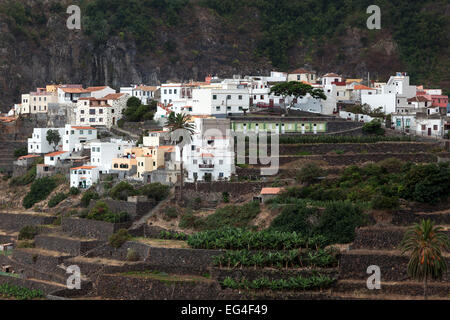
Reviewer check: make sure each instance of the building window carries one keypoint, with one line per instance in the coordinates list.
(91, 119)
(82, 120)
(194, 162)
(101, 111)
(90, 132)
(81, 131)
(214, 97)
(435, 127)
(229, 97)
(240, 97)
(220, 162)
(217, 108)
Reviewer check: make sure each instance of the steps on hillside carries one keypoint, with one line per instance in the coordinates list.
(402, 288)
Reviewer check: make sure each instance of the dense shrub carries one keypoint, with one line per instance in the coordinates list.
(20, 152)
(88, 196)
(101, 212)
(170, 213)
(228, 216)
(309, 173)
(381, 202)
(56, 199)
(295, 218)
(155, 191)
(339, 221)
(373, 127)
(119, 238)
(74, 191)
(132, 255)
(28, 233)
(122, 191)
(40, 189)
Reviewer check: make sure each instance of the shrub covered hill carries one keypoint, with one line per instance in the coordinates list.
(146, 41)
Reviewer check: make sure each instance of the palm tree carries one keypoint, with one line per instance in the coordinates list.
(424, 242)
(176, 122)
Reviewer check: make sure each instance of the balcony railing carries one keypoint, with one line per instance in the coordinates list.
(206, 166)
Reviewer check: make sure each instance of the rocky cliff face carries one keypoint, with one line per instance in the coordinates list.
(36, 48)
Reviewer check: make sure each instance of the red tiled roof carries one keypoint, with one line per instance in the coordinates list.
(331, 75)
(83, 128)
(301, 70)
(28, 156)
(57, 153)
(75, 90)
(113, 96)
(362, 87)
(271, 190)
(83, 167)
(90, 89)
(418, 99)
(207, 155)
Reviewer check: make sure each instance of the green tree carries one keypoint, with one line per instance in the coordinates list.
(424, 243)
(176, 123)
(53, 138)
(297, 90)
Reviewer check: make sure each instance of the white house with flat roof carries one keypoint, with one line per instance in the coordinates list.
(84, 177)
(38, 142)
(102, 153)
(210, 155)
(75, 136)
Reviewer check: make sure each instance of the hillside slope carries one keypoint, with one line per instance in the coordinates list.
(150, 41)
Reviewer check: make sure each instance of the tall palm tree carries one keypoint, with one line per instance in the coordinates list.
(176, 122)
(424, 242)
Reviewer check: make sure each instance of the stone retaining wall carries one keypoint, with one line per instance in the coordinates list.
(134, 209)
(386, 238)
(379, 147)
(353, 265)
(15, 222)
(72, 247)
(141, 288)
(91, 228)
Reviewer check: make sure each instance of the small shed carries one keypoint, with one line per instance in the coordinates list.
(6, 247)
(268, 193)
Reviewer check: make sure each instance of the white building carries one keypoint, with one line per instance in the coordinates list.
(102, 153)
(38, 142)
(72, 93)
(75, 136)
(144, 93)
(330, 78)
(37, 102)
(393, 94)
(51, 159)
(302, 75)
(104, 111)
(210, 154)
(84, 177)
